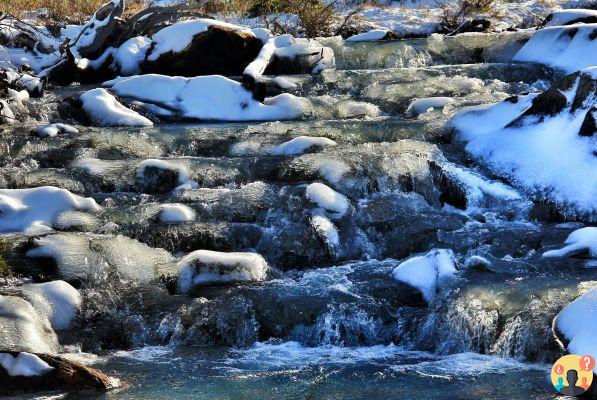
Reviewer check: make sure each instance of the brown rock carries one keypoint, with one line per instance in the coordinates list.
(66, 374)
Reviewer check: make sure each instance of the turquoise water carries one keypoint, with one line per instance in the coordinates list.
(291, 371)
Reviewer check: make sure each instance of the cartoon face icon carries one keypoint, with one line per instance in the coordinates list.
(572, 375)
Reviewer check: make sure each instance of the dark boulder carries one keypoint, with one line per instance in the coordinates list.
(216, 51)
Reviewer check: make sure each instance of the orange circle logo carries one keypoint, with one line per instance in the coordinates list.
(572, 375)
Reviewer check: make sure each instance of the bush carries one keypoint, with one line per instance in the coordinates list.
(455, 12)
(5, 269)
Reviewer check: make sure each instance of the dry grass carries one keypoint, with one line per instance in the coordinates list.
(57, 10)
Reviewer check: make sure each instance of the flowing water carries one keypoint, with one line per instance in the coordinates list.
(330, 322)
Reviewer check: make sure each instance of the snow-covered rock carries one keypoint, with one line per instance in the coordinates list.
(327, 198)
(288, 55)
(57, 300)
(93, 35)
(427, 272)
(581, 242)
(52, 130)
(576, 325)
(569, 48)
(104, 110)
(543, 143)
(130, 54)
(301, 144)
(38, 208)
(372, 35)
(570, 17)
(205, 267)
(24, 364)
(421, 106)
(328, 233)
(205, 98)
(159, 176)
(177, 213)
(22, 328)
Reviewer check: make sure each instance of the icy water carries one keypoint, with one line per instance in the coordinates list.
(330, 322)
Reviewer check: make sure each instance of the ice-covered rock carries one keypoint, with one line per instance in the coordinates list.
(581, 242)
(570, 48)
(327, 198)
(420, 106)
(104, 110)
(205, 98)
(24, 364)
(38, 208)
(177, 213)
(87, 257)
(543, 143)
(57, 300)
(301, 144)
(427, 272)
(22, 328)
(205, 267)
(52, 130)
(576, 325)
(570, 17)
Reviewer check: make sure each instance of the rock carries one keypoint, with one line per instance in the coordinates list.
(58, 374)
(158, 178)
(96, 33)
(472, 25)
(217, 51)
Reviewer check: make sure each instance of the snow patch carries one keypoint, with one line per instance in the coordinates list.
(427, 272)
(24, 364)
(327, 198)
(422, 106)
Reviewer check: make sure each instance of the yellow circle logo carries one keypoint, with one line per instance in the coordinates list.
(572, 375)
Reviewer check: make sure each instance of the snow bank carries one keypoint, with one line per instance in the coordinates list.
(33, 209)
(327, 198)
(578, 323)
(56, 300)
(300, 144)
(422, 106)
(542, 153)
(104, 110)
(579, 242)
(570, 48)
(52, 130)
(177, 213)
(204, 267)
(206, 98)
(24, 364)
(374, 34)
(178, 36)
(427, 272)
(570, 16)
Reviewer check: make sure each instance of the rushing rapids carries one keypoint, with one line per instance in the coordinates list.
(279, 247)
